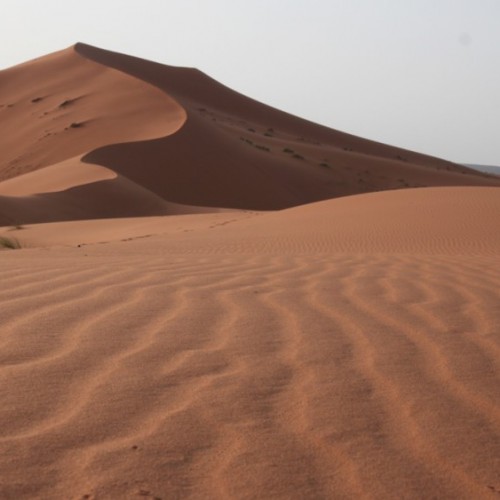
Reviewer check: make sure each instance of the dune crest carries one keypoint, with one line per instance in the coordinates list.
(57, 177)
(183, 137)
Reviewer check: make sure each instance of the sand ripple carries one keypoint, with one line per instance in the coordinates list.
(338, 376)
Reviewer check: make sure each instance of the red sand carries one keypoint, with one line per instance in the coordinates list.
(172, 135)
(346, 348)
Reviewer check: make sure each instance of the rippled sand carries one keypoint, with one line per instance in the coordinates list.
(186, 363)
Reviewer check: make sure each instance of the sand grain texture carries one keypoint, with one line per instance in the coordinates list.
(351, 352)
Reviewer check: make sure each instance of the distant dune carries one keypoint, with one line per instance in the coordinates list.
(136, 137)
(168, 333)
(490, 169)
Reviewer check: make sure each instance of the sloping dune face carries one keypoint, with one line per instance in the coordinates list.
(236, 152)
(430, 221)
(56, 109)
(60, 106)
(344, 349)
(180, 136)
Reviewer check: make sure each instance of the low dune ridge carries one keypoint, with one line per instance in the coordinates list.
(427, 221)
(176, 136)
(343, 349)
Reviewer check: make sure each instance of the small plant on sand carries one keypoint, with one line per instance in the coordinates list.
(287, 150)
(325, 165)
(10, 243)
(298, 157)
(264, 148)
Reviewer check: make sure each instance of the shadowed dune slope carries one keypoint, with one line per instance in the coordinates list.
(181, 136)
(249, 155)
(71, 190)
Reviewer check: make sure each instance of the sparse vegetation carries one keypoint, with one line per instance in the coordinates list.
(267, 134)
(297, 156)
(37, 99)
(287, 150)
(76, 125)
(263, 148)
(251, 129)
(325, 165)
(10, 243)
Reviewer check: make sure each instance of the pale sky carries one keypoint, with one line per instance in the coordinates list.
(419, 74)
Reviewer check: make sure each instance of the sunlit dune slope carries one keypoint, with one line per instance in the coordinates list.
(179, 135)
(443, 220)
(63, 105)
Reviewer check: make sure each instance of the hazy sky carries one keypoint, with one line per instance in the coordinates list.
(420, 74)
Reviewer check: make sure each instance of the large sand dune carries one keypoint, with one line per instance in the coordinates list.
(344, 349)
(168, 333)
(129, 129)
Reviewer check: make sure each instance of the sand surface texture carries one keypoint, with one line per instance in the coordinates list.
(168, 333)
(351, 351)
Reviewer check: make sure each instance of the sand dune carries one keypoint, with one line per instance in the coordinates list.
(168, 333)
(351, 351)
(428, 221)
(62, 105)
(174, 135)
(55, 178)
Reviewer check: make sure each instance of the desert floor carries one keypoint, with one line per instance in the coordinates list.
(343, 349)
